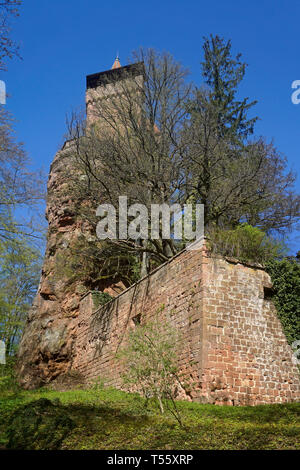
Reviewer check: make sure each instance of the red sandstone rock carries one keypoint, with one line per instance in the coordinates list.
(46, 348)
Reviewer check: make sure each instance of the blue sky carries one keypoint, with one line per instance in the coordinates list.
(62, 41)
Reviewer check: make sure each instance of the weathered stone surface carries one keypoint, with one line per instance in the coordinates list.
(46, 349)
(46, 346)
(234, 351)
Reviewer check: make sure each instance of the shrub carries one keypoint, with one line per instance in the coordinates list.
(101, 298)
(150, 361)
(246, 243)
(8, 381)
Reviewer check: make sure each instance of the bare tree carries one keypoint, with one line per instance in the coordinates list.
(152, 138)
(8, 48)
(133, 145)
(20, 188)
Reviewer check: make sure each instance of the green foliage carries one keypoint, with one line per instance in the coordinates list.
(285, 275)
(150, 360)
(237, 179)
(246, 243)
(19, 276)
(70, 380)
(20, 191)
(98, 383)
(223, 73)
(19, 188)
(100, 298)
(109, 419)
(7, 376)
(39, 425)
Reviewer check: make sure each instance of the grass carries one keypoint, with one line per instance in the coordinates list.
(112, 419)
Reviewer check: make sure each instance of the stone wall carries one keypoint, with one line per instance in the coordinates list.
(174, 290)
(234, 350)
(246, 358)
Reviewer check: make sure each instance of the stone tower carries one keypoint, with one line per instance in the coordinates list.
(109, 84)
(46, 348)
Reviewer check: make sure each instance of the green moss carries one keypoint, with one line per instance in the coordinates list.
(81, 289)
(100, 298)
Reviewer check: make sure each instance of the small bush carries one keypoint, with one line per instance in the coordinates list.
(246, 243)
(150, 361)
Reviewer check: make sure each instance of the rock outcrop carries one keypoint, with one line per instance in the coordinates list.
(47, 343)
(46, 346)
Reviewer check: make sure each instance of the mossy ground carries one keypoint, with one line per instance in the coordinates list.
(111, 419)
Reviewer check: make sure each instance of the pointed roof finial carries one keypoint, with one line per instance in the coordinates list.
(116, 64)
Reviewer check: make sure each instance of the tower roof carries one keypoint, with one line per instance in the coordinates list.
(114, 74)
(116, 64)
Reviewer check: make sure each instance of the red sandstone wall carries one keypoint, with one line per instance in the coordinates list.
(246, 358)
(234, 351)
(177, 286)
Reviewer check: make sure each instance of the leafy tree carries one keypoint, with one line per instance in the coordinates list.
(133, 148)
(20, 188)
(237, 180)
(19, 277)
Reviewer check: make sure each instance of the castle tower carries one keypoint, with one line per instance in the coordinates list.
(110, 84)
(46, 348)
